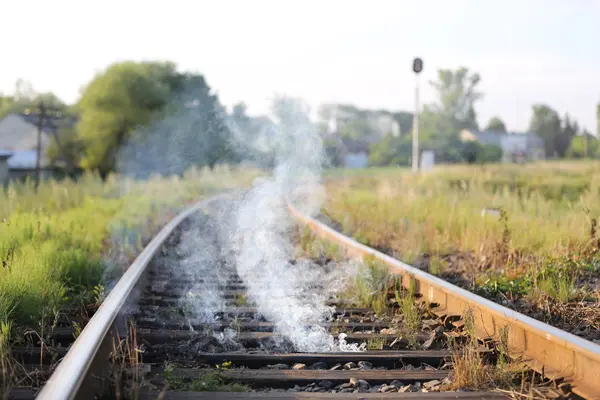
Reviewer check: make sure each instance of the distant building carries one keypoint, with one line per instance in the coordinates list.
(515, 146)
(356, 160)
(18, 140)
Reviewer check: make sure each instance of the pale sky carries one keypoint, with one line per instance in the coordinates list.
(356, 52)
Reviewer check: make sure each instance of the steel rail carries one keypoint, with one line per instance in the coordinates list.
(66, 380)
(548, 350)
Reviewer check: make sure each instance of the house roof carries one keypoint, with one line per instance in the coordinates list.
(4, 154)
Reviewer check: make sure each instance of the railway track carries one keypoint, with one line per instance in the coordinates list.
(173, 330)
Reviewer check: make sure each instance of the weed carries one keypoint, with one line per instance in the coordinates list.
(411, 315)
(240, 300)
(369, 287)
(212, 381)
(436, 265)
(470, 368)
(5, 358)
(375, 343)
(503, 247)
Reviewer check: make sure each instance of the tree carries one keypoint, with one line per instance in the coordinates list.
(562, 140)
(121, 99)
(546, 123)
(69, 152)
(495, 124)
(584, 145)
(190, 129)
(391, 151)
(457, 91)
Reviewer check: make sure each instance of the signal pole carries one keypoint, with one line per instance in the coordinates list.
(417, 68)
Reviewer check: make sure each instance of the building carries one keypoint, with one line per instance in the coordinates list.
(18, 140)
(515, 146)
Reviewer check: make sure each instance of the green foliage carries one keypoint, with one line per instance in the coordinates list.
(557, 134)
(369, 287)
(59, 243)
(585, 145)
(117, 101)
(491, 286)
(209, 382)
(457, 91)
(496, 125)
(154, 110)
(474, 152)
(557, 279)
(66, 149)
(448, 148)
(391, 151)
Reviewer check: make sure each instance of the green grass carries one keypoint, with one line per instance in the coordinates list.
(59, 243)
(547, 218)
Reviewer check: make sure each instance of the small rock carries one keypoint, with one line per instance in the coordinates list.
(362, 384)
(397, 383)
(375, 389)
(446, 381)
(299, 366)
(388, 331)
(405, 389)
(350, 365)
(346, 385)
(353, 381)
(365, 365)
(278, 366)
(431, 384)
(297, 388)
(319, 365)
(429, 342)
(335, 367)
(387, 388)
(347, 390)
(326, 385)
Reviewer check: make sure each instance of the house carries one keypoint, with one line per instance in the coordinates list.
(18, 140)
(515, 146)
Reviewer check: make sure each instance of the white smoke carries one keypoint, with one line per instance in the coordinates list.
(292, 295)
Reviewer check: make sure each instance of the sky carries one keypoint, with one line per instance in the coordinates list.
(359, 52)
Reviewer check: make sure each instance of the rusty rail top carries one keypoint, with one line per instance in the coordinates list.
(66, 380)
(546, 349)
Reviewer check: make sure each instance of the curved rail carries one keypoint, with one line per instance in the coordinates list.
(66, 380)
(548, 350)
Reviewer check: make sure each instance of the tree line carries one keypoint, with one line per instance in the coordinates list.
(441, 122)
(149, 117)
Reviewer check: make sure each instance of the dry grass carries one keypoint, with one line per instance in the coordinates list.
(471, 369)
(506, 232)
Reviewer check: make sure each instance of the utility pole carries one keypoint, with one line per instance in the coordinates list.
(417, 68)
(38, 155)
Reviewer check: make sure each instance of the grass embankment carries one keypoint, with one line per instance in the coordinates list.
(60, 245)
(526, 236)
